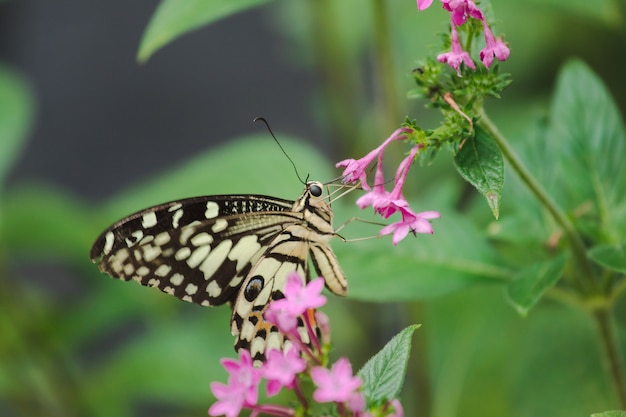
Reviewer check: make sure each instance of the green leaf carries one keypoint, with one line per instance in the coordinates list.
(587, 142)
(610, 256)
(614, 413)
(479, 161)
(17, 108)
(383, 374)
(174, 18)
(532, 283)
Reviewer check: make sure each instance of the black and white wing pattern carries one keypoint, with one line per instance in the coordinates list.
(234, 249)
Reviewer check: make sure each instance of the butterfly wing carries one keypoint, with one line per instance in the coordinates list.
(199, 249)
(288, 252)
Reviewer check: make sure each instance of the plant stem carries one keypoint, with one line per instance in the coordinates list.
(601, 313)
(610, 345)
(575, 240)
(387, 93)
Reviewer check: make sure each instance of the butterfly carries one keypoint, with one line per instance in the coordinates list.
(226, 249)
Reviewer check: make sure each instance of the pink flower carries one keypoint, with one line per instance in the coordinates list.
(457, 56)
(495, 47)
(461, 10)
(355, 170)
(323, 322)
(411, 222)
(242, 388)
(280, 316)
(379, 193)
(398, 411)
(229, 402)
(336, 384)
(395, 201)
(281, 369)
(423, 4)
(298, 299)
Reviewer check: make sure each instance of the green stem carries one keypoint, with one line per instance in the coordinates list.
(387, 93)
(339, 92)
(601, 313)
(610, 345)
(575, 240)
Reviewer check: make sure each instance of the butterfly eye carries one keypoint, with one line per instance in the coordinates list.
(253, 288)
(315, 190)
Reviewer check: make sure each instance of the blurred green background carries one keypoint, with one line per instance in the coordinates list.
(88, 135)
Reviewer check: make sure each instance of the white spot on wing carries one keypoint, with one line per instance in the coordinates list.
(191, 289)
(149, 220)
(177, 279)
(143, 271)
(187, 231)
(215, 259)
(202, 239)
(162, 270)
(162, 238)
(176, 218)
(219, 225)
(183, 253)
(151, 252)
(117, 261)
(129, 269)
(174, 207)
(137, 234)
(108, 243)
(213, 289)
(247, 330)
(198, 256)
(212, 210)
(244, 250)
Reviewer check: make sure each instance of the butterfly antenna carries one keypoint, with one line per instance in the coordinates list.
(262, 119)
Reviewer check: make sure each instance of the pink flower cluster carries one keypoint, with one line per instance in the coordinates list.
(460, 12)
(284, 369)
(384, 202)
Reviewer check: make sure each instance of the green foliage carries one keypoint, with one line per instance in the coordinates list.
(383, 375)
(477, 356)
(586, 143)
(174, 18)
(479, 161)
(612, 257)
(532, 282)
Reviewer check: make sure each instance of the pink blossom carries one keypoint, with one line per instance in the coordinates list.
(323, 323)
(457, 56)
(281, 369)
(461, 10)
(336, 384)
(379, 193)
(298, 299)
(355, 170)
(279, 315)
(395, 201)
(495, 47)
(356, 403)
(423, 4)
(241, 390)
(411, 222)
(398, 411)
